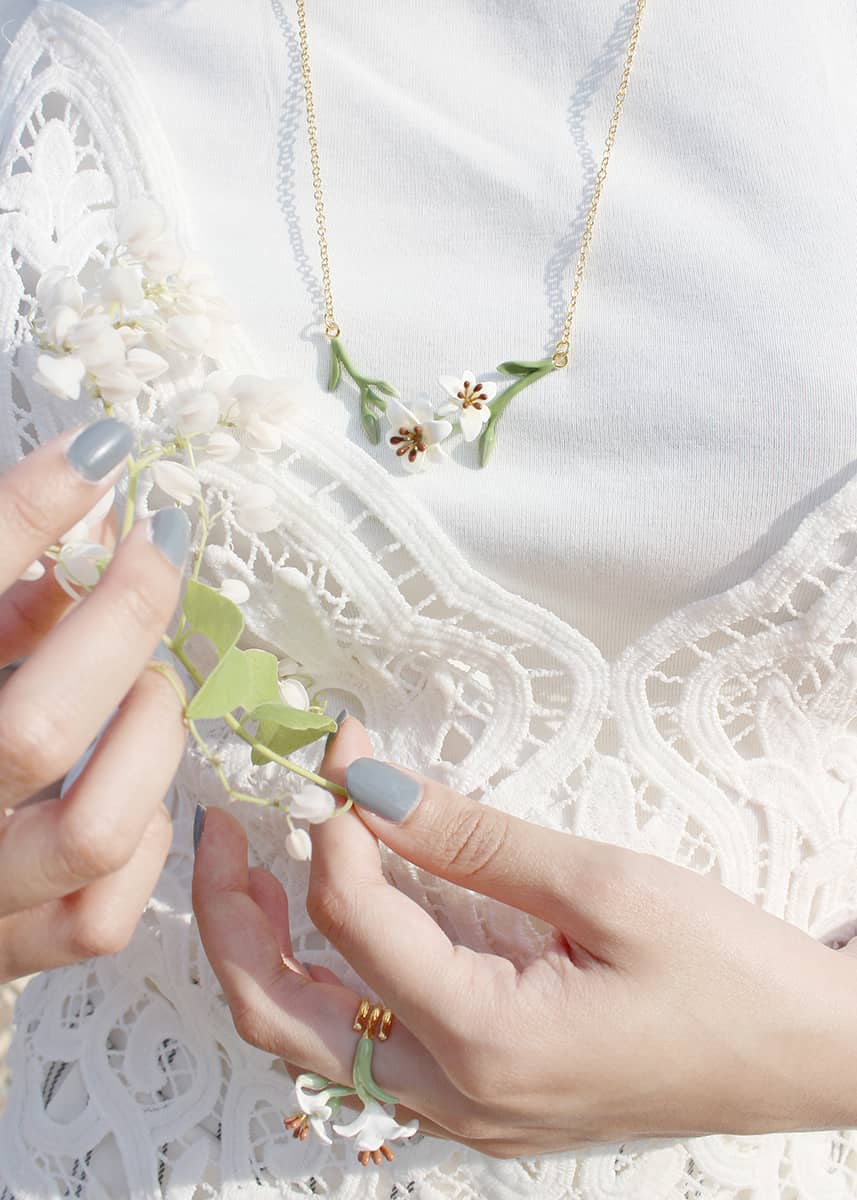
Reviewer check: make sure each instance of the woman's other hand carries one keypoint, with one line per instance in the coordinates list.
(664, 1005)
(77, 867)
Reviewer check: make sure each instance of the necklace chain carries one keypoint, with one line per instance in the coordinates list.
(561, 353)
(560, 356)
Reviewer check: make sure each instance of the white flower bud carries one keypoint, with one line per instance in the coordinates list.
(118, 386)
(145, 364)
(58, 321)
(221, 446)
(299, 846)
(235, 590)
(198, 413)
(97, 344)
(177, 481)
(122, 286)
(140, 223)
(294, 694)
(77, 566)
(34, 571)
(61, 376)
(312, 803)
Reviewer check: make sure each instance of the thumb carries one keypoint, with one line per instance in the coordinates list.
(558, 877)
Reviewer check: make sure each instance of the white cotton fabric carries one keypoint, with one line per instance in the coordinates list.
(623, 626)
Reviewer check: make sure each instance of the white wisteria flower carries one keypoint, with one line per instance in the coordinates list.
(299, 846)
(415, 434)
(235, 590)
(374, 1127)
(139, 224)
(262, 409)
(469, 400)
(62, 377)
(313, 804)
(198, 413)
(221, 446)
(78, 566)
(253, 510)
(177, 481)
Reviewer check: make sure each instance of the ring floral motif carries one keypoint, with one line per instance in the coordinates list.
(319, 1098)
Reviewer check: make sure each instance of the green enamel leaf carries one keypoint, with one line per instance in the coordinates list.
(370, 398)
(487, 442)
(210, 613)
(519, 367)
(370, 424)
(386, 388)
(242, 679)
(335, 371)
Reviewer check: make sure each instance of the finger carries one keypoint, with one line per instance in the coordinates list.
(30, 608)
(54, 487)
(99, 919)
(60, 697)
(265, 890)
(555, 876)
(306, 1022)
(386, 937)
(57, 846)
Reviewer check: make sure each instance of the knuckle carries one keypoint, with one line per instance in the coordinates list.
(90, 844)
(29, 514)
(629, 890)
(328, 907)
(249, 1024)
(475, 838)
(139, 602)
(473, 1127)
(97, 933)
(33, 744)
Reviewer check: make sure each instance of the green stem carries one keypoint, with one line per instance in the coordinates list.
(369, 401)
(364, 1082)
(235, 725)
(499, 406)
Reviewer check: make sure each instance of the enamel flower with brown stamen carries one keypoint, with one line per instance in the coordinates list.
(469, 400)
(415, 434)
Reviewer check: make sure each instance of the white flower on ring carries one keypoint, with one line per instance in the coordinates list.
(415, 434)
(469, 400)
(177, 481)
(315, 1113)
(253, 510)
(374, 1127)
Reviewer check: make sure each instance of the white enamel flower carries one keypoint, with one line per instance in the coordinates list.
(469, 401)
(312, 803)
(315, 1113)
(415, 434)
(299, 846)
(177, 481)
(253, 510)
(77, 566)
(60, 376)
(374, 1127)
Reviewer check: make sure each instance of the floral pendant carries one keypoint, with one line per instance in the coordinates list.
(414, 434)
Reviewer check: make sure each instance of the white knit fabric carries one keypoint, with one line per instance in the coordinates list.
(474, 619)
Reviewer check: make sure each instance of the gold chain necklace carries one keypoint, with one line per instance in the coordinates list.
(415, 436)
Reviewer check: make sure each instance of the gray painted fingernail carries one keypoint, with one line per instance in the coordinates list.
(170, 532)
(99, 448)
(382, 789)
(339, 719)
(198, 822)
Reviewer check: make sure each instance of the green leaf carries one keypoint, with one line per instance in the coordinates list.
(210, 613)
(284, 729)
(370, 398)
(371, 424)
(335, 371)
(487, 442)
(242, 679)
(386, 388)
(519, 367)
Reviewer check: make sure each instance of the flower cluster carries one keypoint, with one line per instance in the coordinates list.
(142, 319)
(415, 433)
(319, 1100)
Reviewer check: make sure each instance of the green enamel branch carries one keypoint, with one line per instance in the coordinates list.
(529, 373)
(368, 388)
(364, 1084)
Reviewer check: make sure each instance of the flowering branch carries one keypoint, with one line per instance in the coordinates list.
(369, 400)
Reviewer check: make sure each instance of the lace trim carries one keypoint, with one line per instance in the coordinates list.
(723, 740)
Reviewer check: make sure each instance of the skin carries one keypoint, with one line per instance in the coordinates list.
(76, 871)
(739, 1022)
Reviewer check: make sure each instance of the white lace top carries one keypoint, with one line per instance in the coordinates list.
(551, 634)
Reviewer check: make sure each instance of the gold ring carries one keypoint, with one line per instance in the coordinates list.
(372, 1020)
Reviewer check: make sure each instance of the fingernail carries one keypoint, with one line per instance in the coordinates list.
(99, 448)
(382, 789)
(198, 822)
(170, 531)
(335, 731)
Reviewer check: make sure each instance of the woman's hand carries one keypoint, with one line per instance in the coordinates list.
(665, 1005)
(76, 869)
